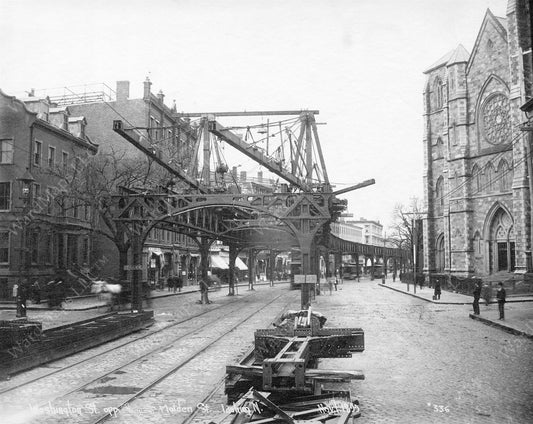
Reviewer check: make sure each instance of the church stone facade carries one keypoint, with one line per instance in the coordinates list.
(477, 193)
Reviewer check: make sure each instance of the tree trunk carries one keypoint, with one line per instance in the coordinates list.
(122, 261)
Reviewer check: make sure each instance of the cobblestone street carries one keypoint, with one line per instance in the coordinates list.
(423, 362)
(430, 363)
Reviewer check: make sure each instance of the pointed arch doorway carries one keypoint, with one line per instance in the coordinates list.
(501, 242)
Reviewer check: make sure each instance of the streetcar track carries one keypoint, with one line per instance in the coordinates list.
(221, 382)
(150, 333)
(140, 359)
(153, 352)
(182, 363)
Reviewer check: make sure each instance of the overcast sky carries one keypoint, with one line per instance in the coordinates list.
(359, 62)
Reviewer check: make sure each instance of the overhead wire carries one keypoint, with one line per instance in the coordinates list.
(497, 158)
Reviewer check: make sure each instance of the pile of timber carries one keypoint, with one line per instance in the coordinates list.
(280, 381)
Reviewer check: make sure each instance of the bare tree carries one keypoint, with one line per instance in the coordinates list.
(90, 182)
(406, 229)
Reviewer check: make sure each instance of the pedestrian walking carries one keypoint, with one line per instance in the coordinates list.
(330, 284)
(501, 295)
(178, 283)
(437, 291)
(477, 296)
(15, 291)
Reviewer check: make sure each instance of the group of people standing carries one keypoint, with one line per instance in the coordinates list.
(175, 283)
(478, 292)
(54, 291)
(501, 296)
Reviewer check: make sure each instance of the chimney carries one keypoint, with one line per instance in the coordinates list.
(147, 85)
(123, 90)
(234, 172)
(243, 176)
(161, 96)
(260, 176)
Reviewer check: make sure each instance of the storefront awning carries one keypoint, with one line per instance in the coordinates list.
(218, 262)
(240, 264)
(155, 251)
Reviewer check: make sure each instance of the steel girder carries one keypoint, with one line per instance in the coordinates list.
(344, 246)
(226, 216)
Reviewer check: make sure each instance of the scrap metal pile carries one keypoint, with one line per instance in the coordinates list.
(280, 381)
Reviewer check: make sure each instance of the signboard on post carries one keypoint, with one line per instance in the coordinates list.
(133, 267)
(308, 283)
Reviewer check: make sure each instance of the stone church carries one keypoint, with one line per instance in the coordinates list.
(476, 181)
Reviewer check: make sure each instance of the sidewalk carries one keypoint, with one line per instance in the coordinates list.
(83, 303)
(518, 310)
(87, 307)
(446, 297)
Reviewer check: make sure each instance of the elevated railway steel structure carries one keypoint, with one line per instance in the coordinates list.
(298, 217)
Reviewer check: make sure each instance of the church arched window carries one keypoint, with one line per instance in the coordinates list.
(477, 244)
(483, 180)
(490, 178)
(505, 175)
(439, 197)
(476, 180)
(438, 93)
(440, 148)
(440, 254)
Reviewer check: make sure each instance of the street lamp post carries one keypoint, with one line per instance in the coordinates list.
(26, 196)
(414, 242)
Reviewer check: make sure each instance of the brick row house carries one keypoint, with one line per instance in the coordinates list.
(476, 180)
(43, 232)
(165, 253)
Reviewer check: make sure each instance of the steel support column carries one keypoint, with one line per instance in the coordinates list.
(306, 242)
(251, 268)
(136, 283)
(232, 258)
(272, 263)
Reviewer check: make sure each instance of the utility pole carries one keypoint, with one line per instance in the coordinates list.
(414, 242)
(384, 271)
(414, 236)
(27, 186)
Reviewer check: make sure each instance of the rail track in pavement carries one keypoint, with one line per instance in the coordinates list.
(175, 346)
(134, 338)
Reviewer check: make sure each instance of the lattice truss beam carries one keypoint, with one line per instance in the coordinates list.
(246, 218)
